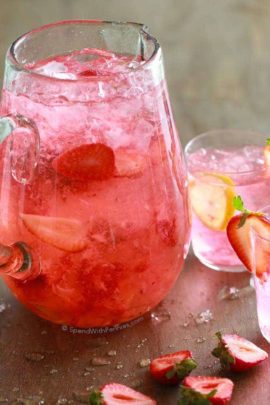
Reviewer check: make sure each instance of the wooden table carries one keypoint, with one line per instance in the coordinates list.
(42, 361)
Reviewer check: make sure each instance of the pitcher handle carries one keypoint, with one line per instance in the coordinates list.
(23, 149)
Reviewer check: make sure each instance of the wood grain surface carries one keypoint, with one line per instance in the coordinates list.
(217, 61)
(49, 362)
(71, 352)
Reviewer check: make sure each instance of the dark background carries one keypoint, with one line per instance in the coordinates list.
(216, 52)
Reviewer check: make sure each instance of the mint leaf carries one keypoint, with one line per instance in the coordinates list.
(238, 203)
(268, 141)
(96, 398)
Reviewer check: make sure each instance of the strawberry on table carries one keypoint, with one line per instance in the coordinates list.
(239, 234)
(63, 233)
(172, 368)
(206, 390)
(237, 353)
(93, 161)
(114, 394)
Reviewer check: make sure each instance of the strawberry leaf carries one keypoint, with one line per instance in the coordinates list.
(192, 397)
(182, 369)
(96, 398)
(222, 353)
(185, 367)
(238, 203)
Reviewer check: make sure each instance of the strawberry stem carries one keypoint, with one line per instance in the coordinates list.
(192, 397)
(182, 369)
(222, 353)
(96, 398)
(238, 204)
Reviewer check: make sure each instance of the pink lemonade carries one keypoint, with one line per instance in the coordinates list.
(216, 175)
(105, 214)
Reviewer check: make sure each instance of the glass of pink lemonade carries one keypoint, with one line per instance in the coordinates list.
(260, 245)
(249, 235)
(222, 164)
(94, 219)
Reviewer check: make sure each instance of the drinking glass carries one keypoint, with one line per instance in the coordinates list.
(94, 218)
(222, 164)
(261, 248)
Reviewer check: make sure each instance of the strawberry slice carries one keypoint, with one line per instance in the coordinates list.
(237, 353)
(114, 394)
(206, 390)
(63, 233)
(172, 368)
(129, 163)
(256, 257)
(94, 161)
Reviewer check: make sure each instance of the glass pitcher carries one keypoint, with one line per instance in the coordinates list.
(94, 220)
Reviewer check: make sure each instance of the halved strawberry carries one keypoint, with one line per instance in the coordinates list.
(237, 353)
(114, 394)
(172, 368)
(129, 163)
(256, 258)
(63, 233)
(206, 390)
(94, 161)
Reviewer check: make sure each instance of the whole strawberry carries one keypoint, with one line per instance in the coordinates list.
(237, 353)
(172, 368)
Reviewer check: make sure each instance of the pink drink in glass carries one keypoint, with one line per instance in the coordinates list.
(105, 213)
(224, 163)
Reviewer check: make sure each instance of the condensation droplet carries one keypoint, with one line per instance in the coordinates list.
(34, 356)
(100, 361)
(204, 317)
(112, 353)
(119, 366)
(200, 340)
(144, 363)
(160, 315)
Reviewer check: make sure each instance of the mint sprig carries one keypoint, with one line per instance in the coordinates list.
(192, 397)
(239, 205)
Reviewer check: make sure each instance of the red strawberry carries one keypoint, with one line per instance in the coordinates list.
(129, 163)
(94, 161)
(237, 353)
(206, 390)
(64, 233)
(114, 394)
(172, 368)
(240, 238)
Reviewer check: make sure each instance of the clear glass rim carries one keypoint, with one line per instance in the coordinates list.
(21, 67)
(219, 131)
